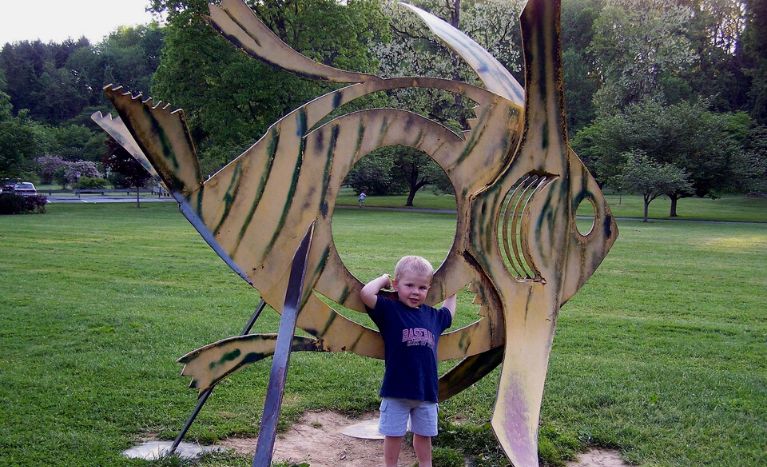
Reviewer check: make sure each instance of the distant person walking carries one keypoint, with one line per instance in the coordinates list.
(361, 199)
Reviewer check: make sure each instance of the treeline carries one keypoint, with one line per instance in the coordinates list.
(48, 92)
(670, 87)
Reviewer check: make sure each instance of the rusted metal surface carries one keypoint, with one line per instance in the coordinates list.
(517, 185)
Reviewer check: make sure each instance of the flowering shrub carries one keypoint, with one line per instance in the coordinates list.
(48, 166)
(11, 203)
(75, 170)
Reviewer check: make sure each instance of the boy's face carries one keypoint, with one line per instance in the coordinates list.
(412, 288)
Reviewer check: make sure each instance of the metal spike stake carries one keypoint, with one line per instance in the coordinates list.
(279, 372)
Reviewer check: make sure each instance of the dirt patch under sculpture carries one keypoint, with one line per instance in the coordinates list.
(317, 439)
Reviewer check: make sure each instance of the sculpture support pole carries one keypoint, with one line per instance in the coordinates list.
(205, 394)
(281, 359)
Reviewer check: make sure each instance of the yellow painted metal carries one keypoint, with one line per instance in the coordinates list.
(517, 185)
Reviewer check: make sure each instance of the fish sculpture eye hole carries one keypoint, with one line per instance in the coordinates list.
(585, 216)
(361, 229)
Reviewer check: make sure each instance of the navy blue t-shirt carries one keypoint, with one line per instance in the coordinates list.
(410, 338)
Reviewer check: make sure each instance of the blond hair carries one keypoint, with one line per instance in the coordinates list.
(414, 264)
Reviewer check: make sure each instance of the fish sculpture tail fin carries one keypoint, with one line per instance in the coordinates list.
(162, 135)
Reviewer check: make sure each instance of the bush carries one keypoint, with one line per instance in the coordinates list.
(11, 203)
(91, 182)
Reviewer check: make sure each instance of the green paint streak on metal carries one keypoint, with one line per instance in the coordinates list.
(337, 98)
(252, 357)
(288, 200)
(464, 341)
(323, 261)
(384, 128)
(328, 166)
(199, 200)
(476, 134)
(231, 193)
(356, 341)
(360, 138)
(227, 357)
(328, 323)
(167, 148)
(344, 295)
(271, 152)
(301, 122)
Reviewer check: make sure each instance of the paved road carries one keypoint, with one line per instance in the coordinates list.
(90, 199)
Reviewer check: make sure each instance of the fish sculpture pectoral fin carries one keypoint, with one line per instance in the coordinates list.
(210, 364)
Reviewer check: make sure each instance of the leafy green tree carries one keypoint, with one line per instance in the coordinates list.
(642, 51)
(125, 170)
(17, 142)
(752, 54)
(652, 179)
(373, 173)
(578, 61)
(229, 98)
(417, 170)
(715, 33)
(688, 135)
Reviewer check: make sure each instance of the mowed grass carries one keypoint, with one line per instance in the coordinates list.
(729, 208)
(662, 355)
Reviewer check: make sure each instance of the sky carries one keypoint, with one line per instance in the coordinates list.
(57, 20)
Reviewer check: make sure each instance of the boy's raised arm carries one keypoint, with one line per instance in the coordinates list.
(369, 293)
(450, 303)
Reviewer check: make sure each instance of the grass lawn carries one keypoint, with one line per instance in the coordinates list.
(661, 355)
(728, 208)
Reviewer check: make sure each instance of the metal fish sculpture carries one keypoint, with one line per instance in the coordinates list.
(517, 183)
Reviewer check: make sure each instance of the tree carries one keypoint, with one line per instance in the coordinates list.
(126, 171)
(715, 33)
(652, 179)
(48, 166)
(17, 142)
(686, 134)
(373, 173)
(414, 51)
(417, 170)
(578, 61)
(752, 54)
(230, 99)
(641, 50)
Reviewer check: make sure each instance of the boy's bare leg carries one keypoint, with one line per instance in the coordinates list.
(422, 447)
(391, 450)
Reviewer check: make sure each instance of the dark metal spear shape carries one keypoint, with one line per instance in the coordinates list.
(279, 373)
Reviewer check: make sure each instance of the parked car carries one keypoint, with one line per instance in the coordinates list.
(25, 189)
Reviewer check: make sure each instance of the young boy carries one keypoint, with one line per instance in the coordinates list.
(411, 330)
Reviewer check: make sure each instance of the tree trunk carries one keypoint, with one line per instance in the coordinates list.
(646, 208)
(674, 199)
(411, 195)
